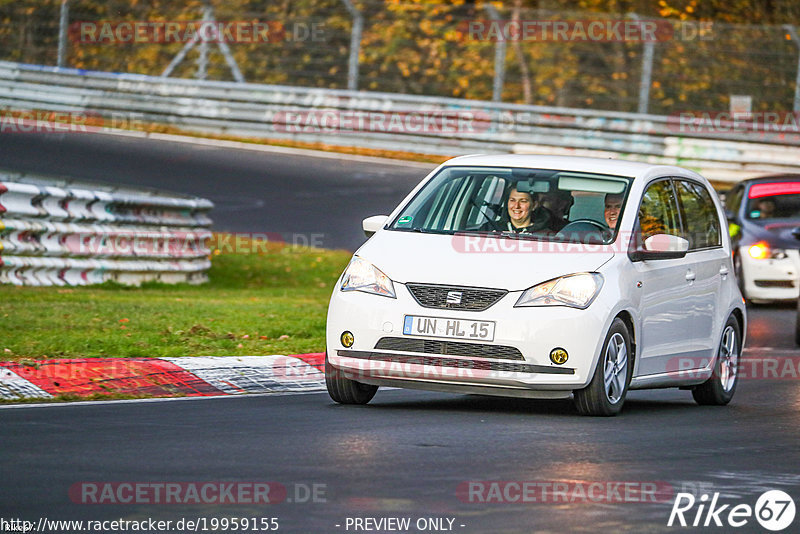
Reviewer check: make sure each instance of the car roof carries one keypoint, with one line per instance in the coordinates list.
(772, 178)
(633, 169)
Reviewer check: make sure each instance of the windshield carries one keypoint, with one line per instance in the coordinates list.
(523, 203)
(780, 200)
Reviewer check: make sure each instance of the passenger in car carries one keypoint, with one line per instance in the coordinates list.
(613, 205)
(559, 203)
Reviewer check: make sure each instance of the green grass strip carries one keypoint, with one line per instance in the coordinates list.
(270, 302)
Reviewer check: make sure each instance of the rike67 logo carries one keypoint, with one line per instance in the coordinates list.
(774, 510)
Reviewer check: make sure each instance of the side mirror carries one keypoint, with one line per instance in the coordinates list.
(661, 247)
(373, 224)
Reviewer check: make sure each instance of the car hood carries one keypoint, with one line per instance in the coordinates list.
(777, 233)
(504, 263)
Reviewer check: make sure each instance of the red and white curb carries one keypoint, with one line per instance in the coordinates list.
(13, 386)
(257, 374)
(157, 377)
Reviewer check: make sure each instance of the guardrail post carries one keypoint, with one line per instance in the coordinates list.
(355, 44)
(793, 33)
(499, 59)
(62, 33)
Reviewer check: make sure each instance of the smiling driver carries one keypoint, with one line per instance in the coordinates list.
(525, 214)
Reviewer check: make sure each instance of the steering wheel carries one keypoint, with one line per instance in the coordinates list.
(577, 223)
(585, 230)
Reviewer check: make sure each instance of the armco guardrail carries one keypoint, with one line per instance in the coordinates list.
(55, 232)
(305, 114)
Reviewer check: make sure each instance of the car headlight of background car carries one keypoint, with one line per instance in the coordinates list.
(575, 290)
(762, 251)
(361, 275)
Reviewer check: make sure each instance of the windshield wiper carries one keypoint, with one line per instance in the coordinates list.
(420, 230)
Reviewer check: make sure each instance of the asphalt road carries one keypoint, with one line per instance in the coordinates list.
(408, 453)
(309, 201)
(405, 455)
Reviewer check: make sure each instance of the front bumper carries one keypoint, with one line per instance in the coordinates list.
(533, 331)
(771, 279)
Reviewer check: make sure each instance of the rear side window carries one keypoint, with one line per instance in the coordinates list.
(701, 222)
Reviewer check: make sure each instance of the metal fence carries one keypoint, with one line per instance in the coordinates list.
(56, 232)
(425, 48)
(85, 101)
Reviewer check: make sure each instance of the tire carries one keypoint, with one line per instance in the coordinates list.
(797, 325)
(719, 389)
(738, 272)
(346, 391)
(605, 394)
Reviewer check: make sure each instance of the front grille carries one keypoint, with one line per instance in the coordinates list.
(434, 361)
(775, 283)
(452, 348)
(460, 298)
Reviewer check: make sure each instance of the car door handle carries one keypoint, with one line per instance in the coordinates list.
(690, 276)
(723, 271)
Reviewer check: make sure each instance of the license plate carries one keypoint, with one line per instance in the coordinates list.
(417, 325)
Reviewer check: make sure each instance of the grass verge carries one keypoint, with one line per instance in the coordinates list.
(271, 302)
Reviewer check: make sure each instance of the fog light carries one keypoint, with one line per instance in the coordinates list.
(347, 339)
(558, 356)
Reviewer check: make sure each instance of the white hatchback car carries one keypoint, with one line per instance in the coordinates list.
(541, 276)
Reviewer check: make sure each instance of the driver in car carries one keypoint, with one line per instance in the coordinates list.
(525, 214)
(766, 208)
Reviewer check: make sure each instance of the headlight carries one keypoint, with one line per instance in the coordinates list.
(761, 251)
(361, 275)
(576, 290)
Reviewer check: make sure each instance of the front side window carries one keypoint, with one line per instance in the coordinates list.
(512, 202)
(658, 213)
(701, 222)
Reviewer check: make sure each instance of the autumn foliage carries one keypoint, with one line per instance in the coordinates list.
(720, 48)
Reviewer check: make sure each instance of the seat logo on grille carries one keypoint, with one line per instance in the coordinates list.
(454, 297)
